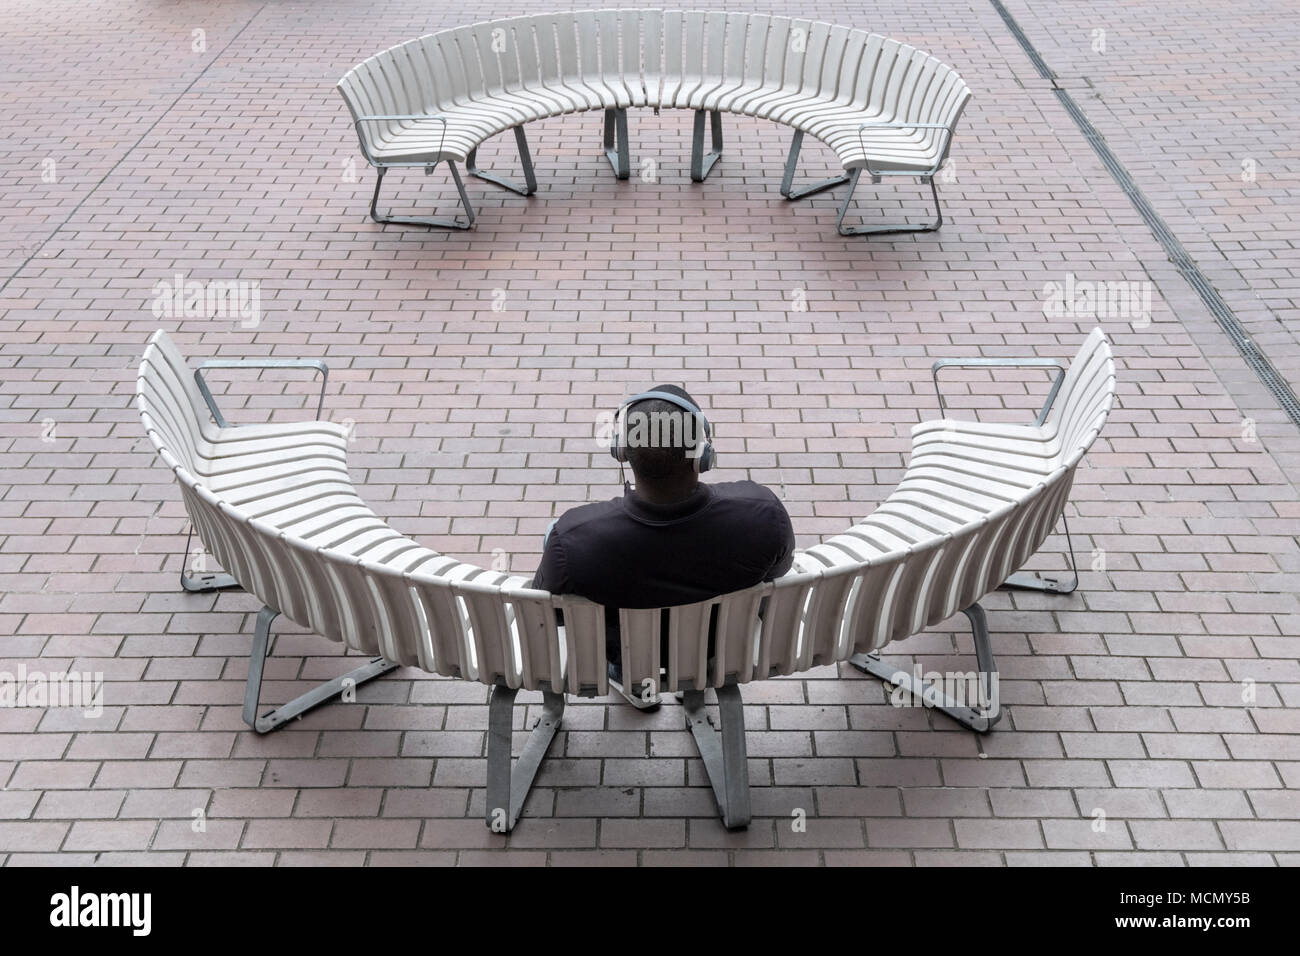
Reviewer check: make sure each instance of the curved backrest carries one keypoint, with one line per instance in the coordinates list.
(382, 85)
(844, 81)
(971, 509)
(451, 83)
(935, 94)
(170, 406)
(512, 70)
(1084, 400)
(740, 638)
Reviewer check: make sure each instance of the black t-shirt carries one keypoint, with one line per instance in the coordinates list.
(629, 553)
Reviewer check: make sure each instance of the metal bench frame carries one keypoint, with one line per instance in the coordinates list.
(471, 166)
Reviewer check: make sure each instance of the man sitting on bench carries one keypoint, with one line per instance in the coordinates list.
(673, 539)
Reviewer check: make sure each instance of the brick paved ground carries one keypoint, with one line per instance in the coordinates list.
(474, 366)
(1206, 136)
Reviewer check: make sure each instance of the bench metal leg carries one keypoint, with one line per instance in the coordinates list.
(204, 581)
(724, 755)
(700, 162)
(882, 230)
(420, 220)
(525, 159)
(791, 161)
(980, 718)
(1053, 584)
(201, 583)
(507, 790)
(299, 705)
(616, 148)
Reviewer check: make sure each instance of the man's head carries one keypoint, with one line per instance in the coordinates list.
(664, 442)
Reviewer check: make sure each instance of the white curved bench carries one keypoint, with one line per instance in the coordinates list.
(274, 504)
(884, 107)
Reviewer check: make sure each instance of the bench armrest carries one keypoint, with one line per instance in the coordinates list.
(316, 365)
(1057, 364)
(397, 117)
(947, 139)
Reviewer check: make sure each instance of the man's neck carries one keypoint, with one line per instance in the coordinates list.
(667, 492)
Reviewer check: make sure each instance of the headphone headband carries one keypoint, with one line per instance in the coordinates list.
(669, 397)
(704, 456)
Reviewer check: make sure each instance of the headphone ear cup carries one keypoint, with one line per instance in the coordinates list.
(706, 458)
(617, 450)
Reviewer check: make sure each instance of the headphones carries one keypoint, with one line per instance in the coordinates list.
(704, 456)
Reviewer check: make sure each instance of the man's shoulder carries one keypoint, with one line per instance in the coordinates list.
(746, 491)
(595, 511)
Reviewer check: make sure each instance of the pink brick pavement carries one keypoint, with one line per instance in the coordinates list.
(474, 366)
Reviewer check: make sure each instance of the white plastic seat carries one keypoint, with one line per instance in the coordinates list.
(444, 94)
(275, 505)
